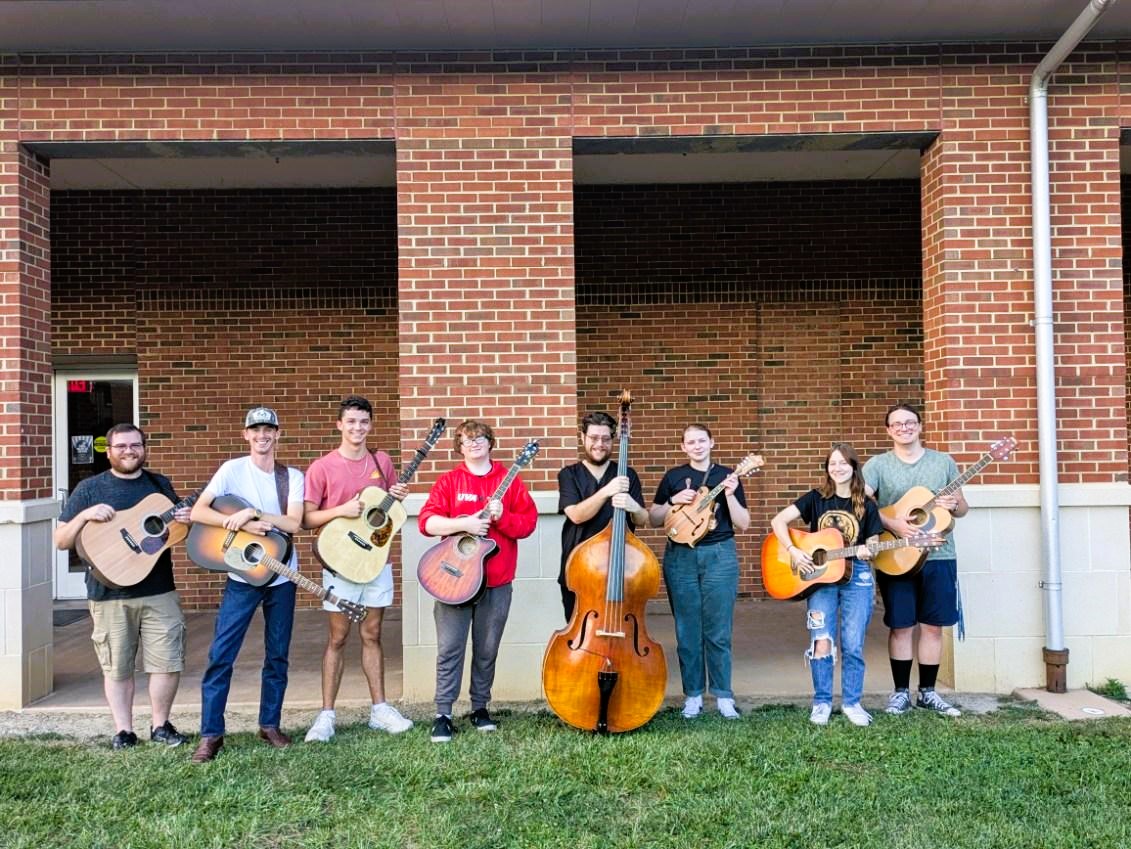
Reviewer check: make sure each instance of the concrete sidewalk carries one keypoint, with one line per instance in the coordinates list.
(769, 639)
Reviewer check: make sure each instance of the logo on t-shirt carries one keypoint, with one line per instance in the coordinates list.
(843, 521)
(466, 496)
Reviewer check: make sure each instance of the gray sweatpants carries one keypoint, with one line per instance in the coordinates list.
(487, 618)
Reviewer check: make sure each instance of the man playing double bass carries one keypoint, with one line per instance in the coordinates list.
(588, 491)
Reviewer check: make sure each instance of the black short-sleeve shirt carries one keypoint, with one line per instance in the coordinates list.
(683, 476)
(575, 484)
(122, 494)
(836, 512)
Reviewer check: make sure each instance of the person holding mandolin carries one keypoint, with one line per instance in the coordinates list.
(702, 578)
(274, 494)
(461, 502)
(333, 489)
(929, 597)
(841, 608)
(145, 615)
(588, 491)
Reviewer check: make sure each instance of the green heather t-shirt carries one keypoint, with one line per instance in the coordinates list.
(889, 477)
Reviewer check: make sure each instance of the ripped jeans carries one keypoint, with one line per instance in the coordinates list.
(855, 601)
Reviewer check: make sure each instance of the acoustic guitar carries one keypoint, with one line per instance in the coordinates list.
(251, 557)
(918, 507)
(452, 571)
(357, 548)
(207, 545)
(124, 550)
(689, 523)
(784, 581)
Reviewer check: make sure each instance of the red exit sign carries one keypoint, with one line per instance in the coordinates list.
(82, 386)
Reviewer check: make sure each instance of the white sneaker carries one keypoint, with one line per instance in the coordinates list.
(856, 714)
(692, 707)
(385, 717)
(820, 714)
(322, 729)
(727, 708)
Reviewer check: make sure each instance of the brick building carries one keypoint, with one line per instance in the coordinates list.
(797, 215)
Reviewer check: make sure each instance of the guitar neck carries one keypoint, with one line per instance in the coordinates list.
(957, 483)
(294, 575)
(187, 501)
(874, 547)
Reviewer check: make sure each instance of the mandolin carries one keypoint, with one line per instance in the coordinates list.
(207, 545)
(357, 548)
(689, 523)
(918, 506)
(826, 548)
(124, 550)
(452, 571)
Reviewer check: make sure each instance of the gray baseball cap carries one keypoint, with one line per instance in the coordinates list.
(261, 416)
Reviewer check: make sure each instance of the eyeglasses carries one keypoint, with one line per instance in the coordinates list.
(467, 443)
(599, 439)
(910, 424)
(132, 446)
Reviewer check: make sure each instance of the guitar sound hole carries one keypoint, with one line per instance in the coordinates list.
(918, 517)
(376, 518)
(153, 525)
(819, 557)
(253, 552)
(466, 545)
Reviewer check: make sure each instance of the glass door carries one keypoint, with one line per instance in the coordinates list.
(87, 404)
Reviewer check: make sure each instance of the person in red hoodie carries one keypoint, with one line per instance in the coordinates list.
(452, 508)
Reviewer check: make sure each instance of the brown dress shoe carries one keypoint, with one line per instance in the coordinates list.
(207, 750)
(274, 737)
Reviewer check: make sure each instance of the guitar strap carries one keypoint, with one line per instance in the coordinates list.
(377, 463)
(282, 487)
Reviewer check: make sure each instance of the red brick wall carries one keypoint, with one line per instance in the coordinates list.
(783, 316)
(284, 298)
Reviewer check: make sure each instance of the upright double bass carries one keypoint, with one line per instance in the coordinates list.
(602, 672)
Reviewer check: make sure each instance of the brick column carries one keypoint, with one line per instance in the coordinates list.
(979, 352)
(486, 289)
(26, 503)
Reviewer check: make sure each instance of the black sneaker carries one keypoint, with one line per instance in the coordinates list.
(123, 740)
(442, 729)
(481, 720)
(167, 734)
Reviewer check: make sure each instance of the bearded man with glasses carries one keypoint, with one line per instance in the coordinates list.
(928, 598)
(146, 615)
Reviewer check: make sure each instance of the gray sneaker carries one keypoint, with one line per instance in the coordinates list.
(899, 703)
(930, 700)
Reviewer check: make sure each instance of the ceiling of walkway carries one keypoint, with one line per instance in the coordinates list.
(142, 25)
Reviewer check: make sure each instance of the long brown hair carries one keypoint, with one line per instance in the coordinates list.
(828, 489)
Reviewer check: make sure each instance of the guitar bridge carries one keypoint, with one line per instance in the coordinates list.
(129, 540)
(450, 569)
(603, 633)
(359, 541)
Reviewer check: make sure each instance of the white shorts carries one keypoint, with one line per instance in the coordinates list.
(377, 593)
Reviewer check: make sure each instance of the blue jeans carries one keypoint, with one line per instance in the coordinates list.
(855, 601)
(702, 588)
(232, 620)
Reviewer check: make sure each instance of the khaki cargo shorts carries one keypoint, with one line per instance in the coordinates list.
(154, 623)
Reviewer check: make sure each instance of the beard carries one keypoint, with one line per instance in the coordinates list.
(127, 465)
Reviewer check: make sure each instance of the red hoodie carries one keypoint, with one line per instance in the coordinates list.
(461, 493)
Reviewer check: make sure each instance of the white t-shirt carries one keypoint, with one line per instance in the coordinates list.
(243, 478)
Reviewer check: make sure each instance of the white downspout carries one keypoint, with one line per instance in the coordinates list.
(1055, 654)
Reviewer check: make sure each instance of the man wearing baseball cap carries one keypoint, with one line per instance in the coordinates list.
(274, 494)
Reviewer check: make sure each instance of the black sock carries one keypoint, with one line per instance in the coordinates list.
(928, 674)
(901, 673)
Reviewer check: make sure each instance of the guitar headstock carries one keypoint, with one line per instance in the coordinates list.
(438, 427)
(625, 401)
(929, 541)
(354, 612)
(750, 463)
(527, 454)
(1001, 449)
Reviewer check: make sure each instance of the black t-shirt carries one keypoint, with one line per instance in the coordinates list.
(575, 484)
(122, 494)
(836, 512)
(679, 478)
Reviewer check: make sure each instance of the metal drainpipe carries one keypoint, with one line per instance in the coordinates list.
(1055, 654)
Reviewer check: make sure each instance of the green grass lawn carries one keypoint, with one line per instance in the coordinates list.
(1014, 778)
